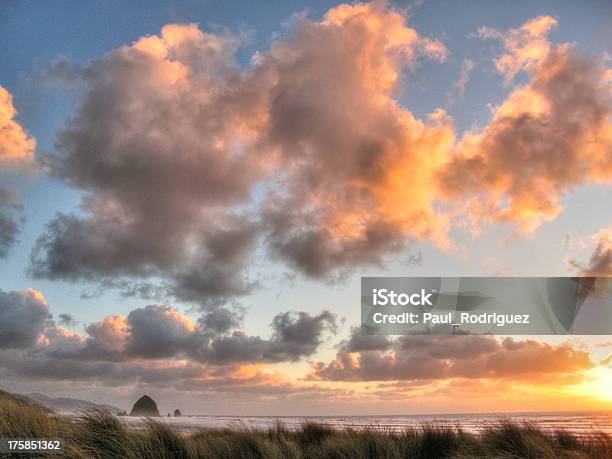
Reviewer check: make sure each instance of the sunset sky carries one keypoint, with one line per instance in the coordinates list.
(191, 191)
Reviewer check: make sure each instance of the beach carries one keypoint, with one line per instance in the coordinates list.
(576, 422)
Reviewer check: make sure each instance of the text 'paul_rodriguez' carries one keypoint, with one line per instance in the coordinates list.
(486, 305)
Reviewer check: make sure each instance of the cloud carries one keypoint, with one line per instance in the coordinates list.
(548, 137)
(23, 318)
(159, 145)
(190, 165)
(172, 136)
(415, 358)
(346, 200)
(358, 341)
(172, 379)
(16, 154)
(220, 320)
(16, 147)
(600, 263)
(458, 87)
(295, 335)
(66, 319)
(158, 332)
(157, 346)
(107, 337)
(525, 46)
(9, 225)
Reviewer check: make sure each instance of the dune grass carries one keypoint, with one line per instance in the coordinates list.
(98, 434)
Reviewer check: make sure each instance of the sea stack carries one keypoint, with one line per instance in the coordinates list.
(145, 406)
(177, 413)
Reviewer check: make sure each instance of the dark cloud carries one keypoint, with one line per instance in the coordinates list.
(444, 357)
(159, 332)
(9, 226)
(298, 334)
(220, 320)
(23, 318)
(358, 341)
(216, 272)
(295, 335)
(315, 252)
(186, 378)
(66, 319)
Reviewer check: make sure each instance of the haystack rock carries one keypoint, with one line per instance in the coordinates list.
(177, 413)
(145, 406)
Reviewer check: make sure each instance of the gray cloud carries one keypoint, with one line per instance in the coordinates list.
(416, 358)
(23, 318)
(295, 335)
(358, 342)
(185, 378)
(66, 319)
(157, 146)
(220, 320)
(158, 332)
(9, 226)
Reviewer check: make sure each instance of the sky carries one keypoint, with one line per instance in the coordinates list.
(191, 191)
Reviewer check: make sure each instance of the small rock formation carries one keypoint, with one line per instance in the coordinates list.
(177, 413)
(121, 413)
(145, 406)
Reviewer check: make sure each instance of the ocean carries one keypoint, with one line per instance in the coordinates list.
(578, 422)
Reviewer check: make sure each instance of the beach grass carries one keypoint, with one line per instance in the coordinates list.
(99, 434)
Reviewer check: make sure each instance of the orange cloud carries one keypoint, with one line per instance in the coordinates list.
(547, 138)
(525, 46)
(16, 147)
(360, 176)
(417, 358)
(110, 334)
(16, 153)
